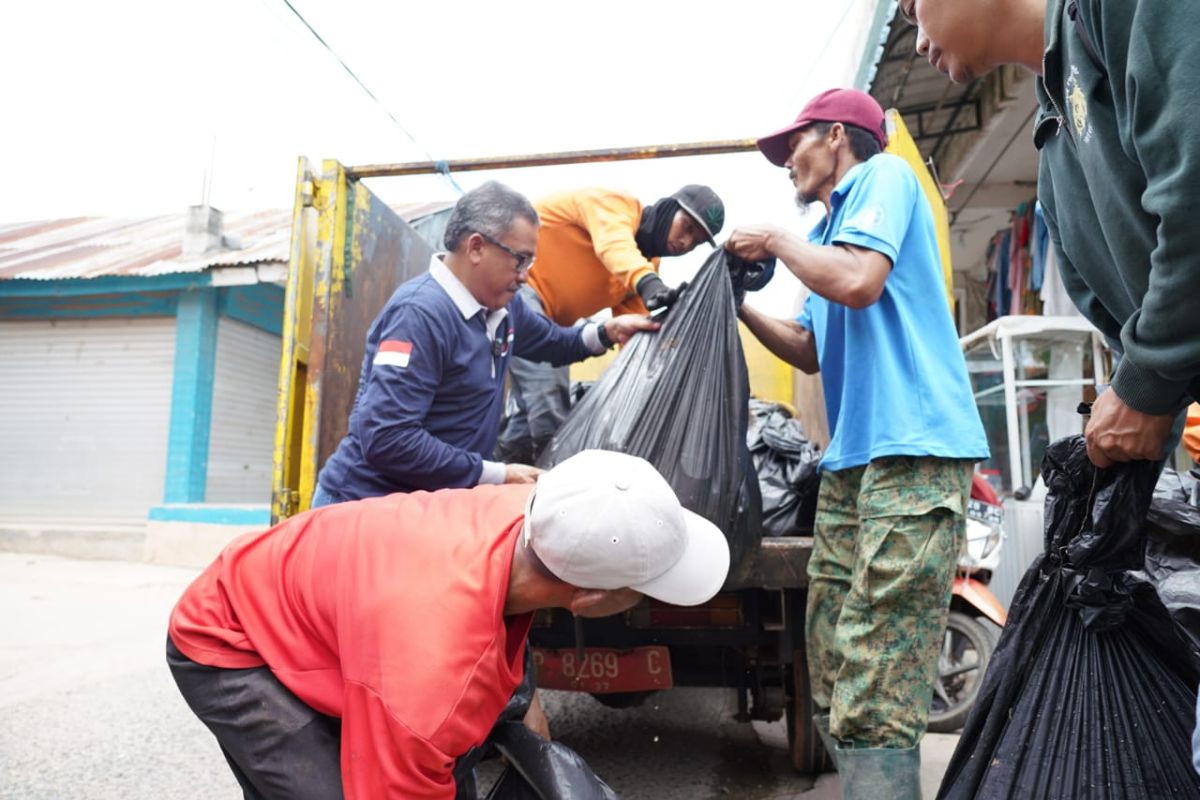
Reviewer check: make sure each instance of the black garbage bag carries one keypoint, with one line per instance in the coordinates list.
(679, 399)
(542, 770)
(1088, 693)
(537, 769)
(786, 464)
(1181, 486)
(1173, 553)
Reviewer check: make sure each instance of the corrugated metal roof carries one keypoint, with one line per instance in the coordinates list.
(92, 247)
(934, 108)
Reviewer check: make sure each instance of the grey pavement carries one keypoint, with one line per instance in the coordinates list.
(90, 710)
(89, 707)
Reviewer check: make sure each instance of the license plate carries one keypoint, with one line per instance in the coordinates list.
(600, 670)
(986, 512)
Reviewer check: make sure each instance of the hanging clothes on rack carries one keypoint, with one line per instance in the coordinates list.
(1017, 264)
(1038, 248)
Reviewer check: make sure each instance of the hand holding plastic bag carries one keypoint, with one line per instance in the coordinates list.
(1088, 694)
(679, 399)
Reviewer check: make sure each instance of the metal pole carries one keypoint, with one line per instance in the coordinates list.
(1010, 413)
(549, 159)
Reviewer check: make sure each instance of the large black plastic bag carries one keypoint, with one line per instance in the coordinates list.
(1173, 553)
(537, 769)
(786, 464)
(542, 770)
(679, 399)
(1088, 694)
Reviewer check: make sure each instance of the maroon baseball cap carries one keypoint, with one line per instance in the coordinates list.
(847, 106)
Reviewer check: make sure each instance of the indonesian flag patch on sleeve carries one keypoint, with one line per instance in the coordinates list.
(393, 353)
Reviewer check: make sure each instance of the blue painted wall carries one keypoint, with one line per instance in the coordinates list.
(124, 304)
(76, 287)
(260, 305)
(191, 396)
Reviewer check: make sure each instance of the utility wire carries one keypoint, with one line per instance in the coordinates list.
(443, 167)
(829, 38)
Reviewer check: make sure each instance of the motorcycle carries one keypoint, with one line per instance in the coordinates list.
(976, 616)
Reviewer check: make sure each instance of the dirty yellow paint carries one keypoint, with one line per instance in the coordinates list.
(770, 378)
(329, 201)
(591, 369)
(901, 143)
(294, 349)
(362, 219)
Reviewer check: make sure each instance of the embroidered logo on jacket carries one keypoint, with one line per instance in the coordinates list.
(1077, 103)
(393, 353)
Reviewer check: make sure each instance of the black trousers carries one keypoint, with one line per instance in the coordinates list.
(276, 745)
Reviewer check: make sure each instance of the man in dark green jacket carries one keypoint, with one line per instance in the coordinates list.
(1119, 181)
(1119, 135)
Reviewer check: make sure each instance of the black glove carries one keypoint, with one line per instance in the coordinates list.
(656, 294)
(748, 276)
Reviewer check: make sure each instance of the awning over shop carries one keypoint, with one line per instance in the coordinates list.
(977, 136)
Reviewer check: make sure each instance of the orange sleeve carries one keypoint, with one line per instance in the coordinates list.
(630, 305)
(1191, 432)
(611, 220)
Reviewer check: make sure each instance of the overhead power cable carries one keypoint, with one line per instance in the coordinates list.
(444, 170)
(832, 35)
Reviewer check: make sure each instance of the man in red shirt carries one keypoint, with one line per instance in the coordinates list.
(363, 647)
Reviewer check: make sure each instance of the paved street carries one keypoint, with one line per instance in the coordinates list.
(90, 710)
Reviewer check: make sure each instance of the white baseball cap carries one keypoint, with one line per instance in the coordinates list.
(605, 520)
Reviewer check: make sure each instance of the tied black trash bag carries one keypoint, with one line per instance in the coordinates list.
(679, 399)
(786, 463)
(1089, 693)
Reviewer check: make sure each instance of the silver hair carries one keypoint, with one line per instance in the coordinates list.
(489, 209)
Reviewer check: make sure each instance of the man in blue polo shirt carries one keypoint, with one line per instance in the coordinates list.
(432, 384)
(905, 433)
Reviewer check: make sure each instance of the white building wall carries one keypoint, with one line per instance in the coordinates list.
(242, 433)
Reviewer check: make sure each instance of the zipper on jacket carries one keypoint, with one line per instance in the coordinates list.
(1073, 13)
(1058, 112)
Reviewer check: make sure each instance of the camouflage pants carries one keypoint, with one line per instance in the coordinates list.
(886, 545)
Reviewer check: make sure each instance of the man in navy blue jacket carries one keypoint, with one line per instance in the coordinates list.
(431, 390)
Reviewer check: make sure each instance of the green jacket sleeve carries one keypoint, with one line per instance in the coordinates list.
(1151, 52)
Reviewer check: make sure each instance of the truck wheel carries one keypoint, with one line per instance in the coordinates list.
(966, 650)
(808, 754)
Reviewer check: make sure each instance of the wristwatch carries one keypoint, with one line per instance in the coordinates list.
(602, 335)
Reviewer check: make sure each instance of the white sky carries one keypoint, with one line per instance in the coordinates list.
(115, 108)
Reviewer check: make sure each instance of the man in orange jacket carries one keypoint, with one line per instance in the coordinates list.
(596, 249)
(1191, 432)
(359, 649)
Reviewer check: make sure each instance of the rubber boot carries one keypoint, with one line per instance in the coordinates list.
(879, 773)
(821, 722)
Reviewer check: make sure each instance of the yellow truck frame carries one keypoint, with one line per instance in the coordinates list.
(339, 277)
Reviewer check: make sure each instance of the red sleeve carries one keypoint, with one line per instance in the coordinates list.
(382, 758)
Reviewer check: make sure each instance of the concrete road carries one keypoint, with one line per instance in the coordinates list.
(90, 710)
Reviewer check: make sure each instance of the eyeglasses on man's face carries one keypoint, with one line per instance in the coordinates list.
(524, 260)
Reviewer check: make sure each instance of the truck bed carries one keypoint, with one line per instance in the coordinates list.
(779, 562)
